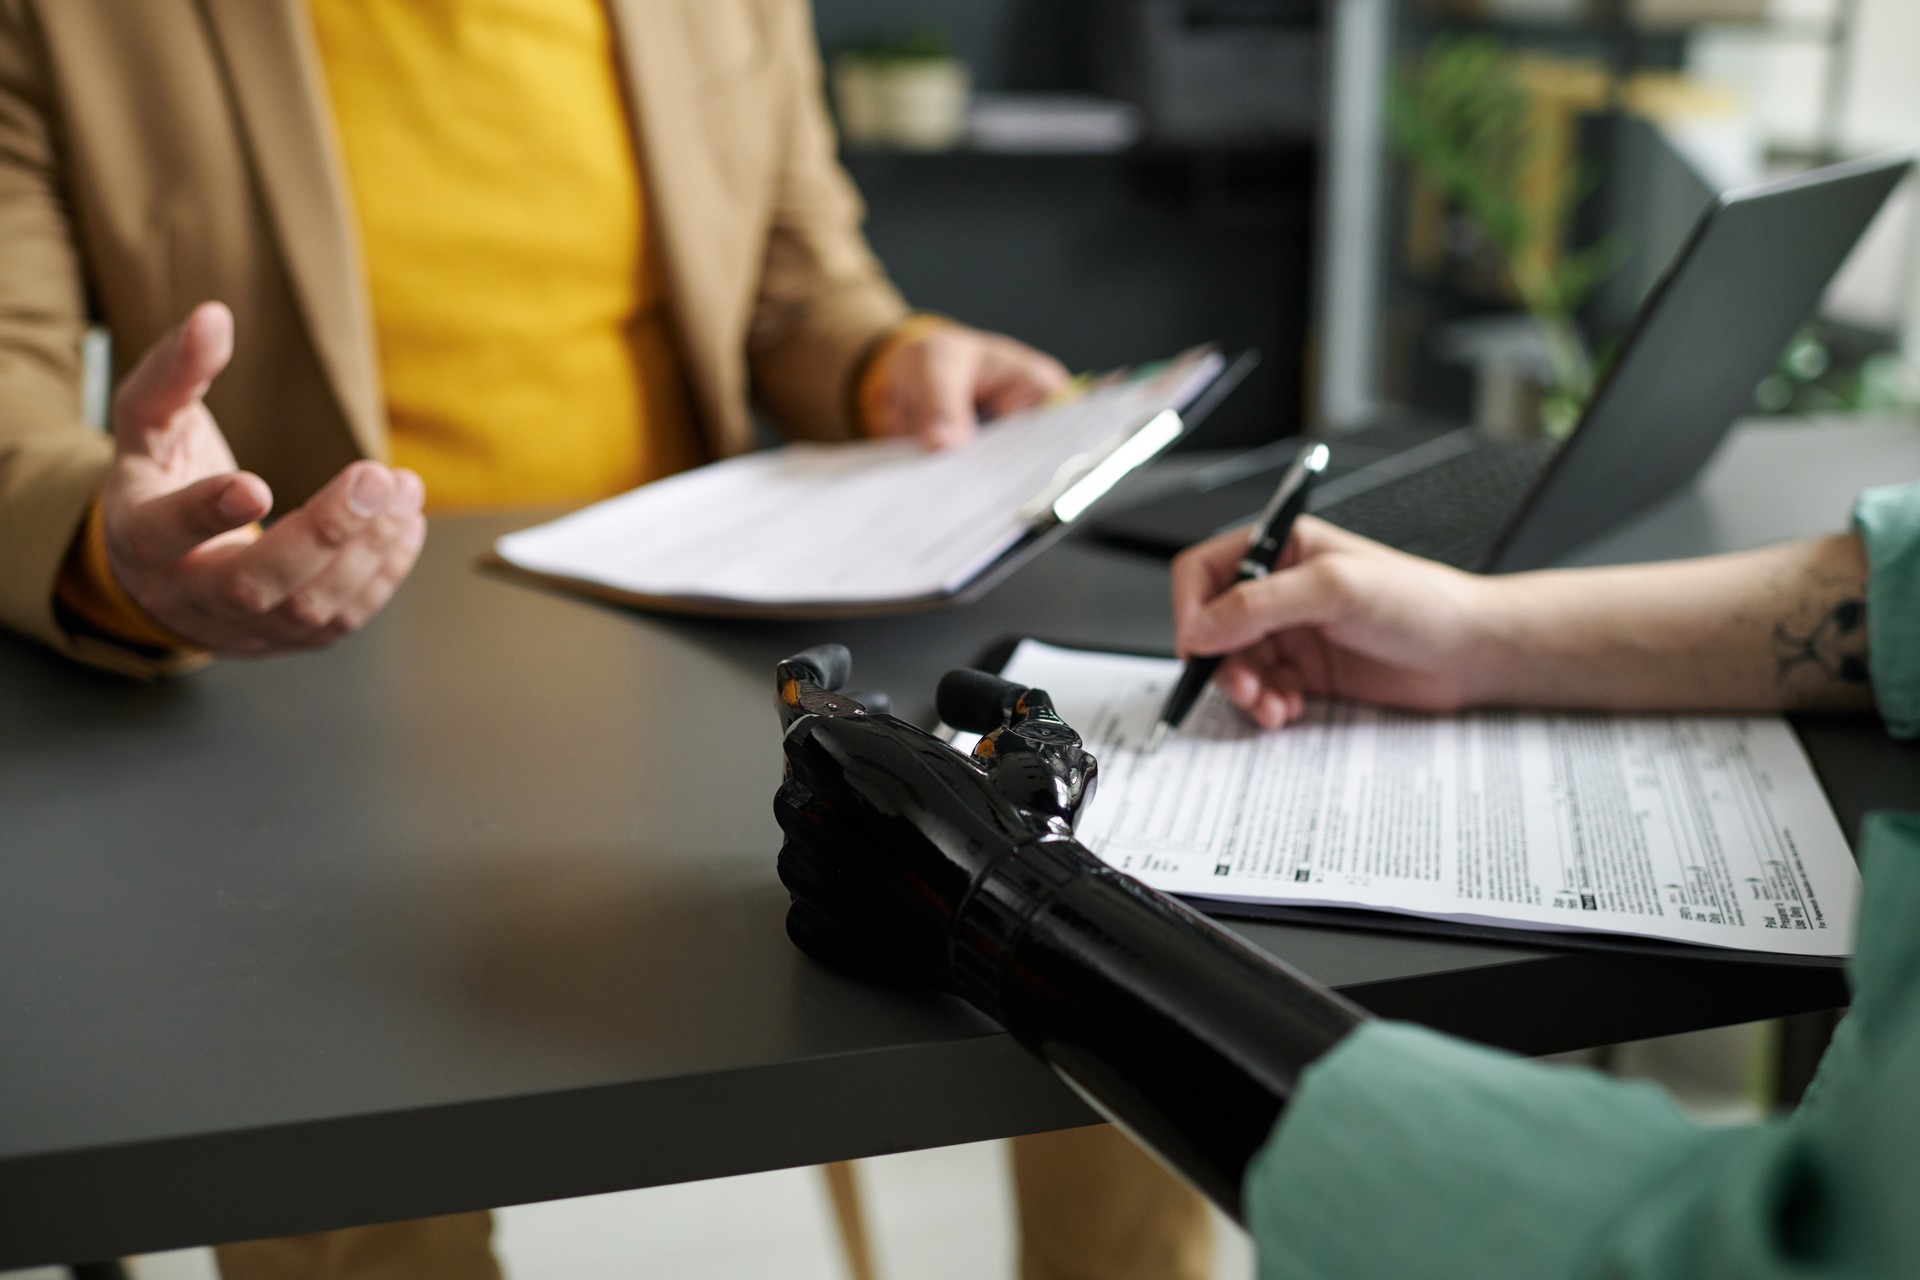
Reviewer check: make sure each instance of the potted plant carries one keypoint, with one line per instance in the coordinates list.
(903, 91)
(1463, 119)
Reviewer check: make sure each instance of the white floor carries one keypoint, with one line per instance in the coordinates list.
(934, 1215)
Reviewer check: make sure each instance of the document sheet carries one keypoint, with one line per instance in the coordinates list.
(860, 522)
(1697, 829)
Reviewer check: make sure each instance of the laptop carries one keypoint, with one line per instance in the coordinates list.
(1710, 330)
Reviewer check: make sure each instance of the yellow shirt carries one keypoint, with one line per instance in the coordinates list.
(503, 229)
(516, 305)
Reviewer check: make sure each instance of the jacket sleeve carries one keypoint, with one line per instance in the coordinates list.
(823, 301)
(51, 464)
(1410, 1155)
(1888, 522)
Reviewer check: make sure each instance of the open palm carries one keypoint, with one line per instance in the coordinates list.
(181, 521)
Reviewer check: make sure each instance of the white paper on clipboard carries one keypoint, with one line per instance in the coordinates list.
(863, 522)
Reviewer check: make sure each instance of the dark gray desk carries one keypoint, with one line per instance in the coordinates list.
(479, 908)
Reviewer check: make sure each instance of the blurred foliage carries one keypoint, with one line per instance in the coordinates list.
(1814, 378)
(928, 42)
(1463, 121)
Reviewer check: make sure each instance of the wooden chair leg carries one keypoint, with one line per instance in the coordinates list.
(108, 1270)
(844, 1187)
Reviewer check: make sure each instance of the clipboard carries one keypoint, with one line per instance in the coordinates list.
(995, 658)
(1048, 515)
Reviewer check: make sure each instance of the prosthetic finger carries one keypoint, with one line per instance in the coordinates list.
(827, 942)
(911, 861)
(804, 684)
(976, 701)
(1031, 755)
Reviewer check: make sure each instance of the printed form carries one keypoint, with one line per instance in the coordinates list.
(1701, 829)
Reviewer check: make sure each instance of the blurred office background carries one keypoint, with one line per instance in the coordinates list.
(1076, 203)
(1117, 179)
(1114, 179)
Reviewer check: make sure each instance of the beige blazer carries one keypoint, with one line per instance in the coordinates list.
(158, 153)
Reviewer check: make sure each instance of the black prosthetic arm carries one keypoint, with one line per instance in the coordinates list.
(911, 862)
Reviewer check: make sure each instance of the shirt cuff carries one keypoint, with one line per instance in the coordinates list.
(1407, 1153)
(870, 384)
(90, 599)
(1888, 522)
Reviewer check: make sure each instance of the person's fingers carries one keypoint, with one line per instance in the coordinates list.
(339, 604)
(410, 490)
(164, 528)
(1264, 684)
(1200, 573)
(1312, 593)
(402, 553)
(286, 630)
(940, 405)
(376, 594)
(1270, 712)
(255, 580)
(1015, 377)
(1238, 680)
(1313, 536)
(1282, 699)
(943, 381)
(174, 373)
(329, 605)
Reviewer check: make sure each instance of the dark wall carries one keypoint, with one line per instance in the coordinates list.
(1103, 260)
(1108, 260)
(1009, 44)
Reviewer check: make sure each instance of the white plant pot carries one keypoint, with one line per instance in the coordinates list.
(918, 104)
(926, 103)
(859, 98)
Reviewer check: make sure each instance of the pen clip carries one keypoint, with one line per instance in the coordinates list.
(1311, 462)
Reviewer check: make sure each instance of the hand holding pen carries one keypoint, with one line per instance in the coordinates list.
(1266, 542)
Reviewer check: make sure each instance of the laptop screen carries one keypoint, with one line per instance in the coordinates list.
(1709, 332)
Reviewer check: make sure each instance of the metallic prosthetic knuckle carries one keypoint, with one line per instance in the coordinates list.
(908, 856)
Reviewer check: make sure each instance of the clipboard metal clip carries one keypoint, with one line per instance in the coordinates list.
(1077, 488)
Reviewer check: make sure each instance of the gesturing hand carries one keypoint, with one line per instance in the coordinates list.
(936, 385)
(178, 517)
(1340, 616)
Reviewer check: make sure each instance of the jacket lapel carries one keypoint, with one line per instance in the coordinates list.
(273, 70)
(666, 133)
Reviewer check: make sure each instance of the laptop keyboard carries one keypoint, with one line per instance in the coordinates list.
(1453, 511)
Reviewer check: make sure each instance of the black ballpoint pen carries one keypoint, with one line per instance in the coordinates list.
(1264, 547)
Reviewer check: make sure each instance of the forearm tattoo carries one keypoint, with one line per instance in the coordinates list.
(1836, 645)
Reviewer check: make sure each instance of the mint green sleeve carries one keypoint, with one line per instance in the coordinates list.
(1888, 522)
(1411, 1156)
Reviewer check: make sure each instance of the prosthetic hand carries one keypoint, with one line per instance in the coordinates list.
(911, 862)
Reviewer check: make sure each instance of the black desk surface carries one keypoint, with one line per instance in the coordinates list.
(479, 908)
